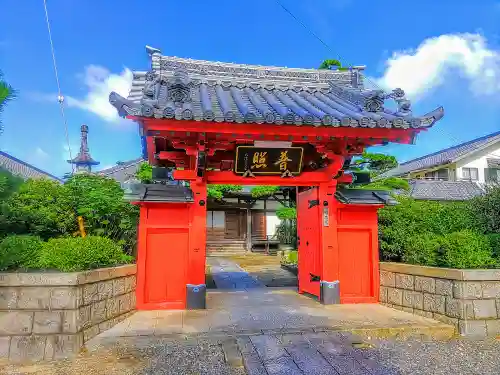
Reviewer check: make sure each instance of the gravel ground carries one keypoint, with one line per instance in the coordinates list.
(148, 356)
(456, 357)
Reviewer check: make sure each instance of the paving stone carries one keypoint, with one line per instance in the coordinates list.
(472, 328)
(425, 284)
(434, 303)
(268, 347)
(344, 364)
(16, 322)
(24, 348)
(8, 298)
(484, 309)
(232, 355)
(4, 346)
(47, 322)
(467, 290)
(395, 296)
(253, 364)
(413, 299)
(444, 287)
(491, 289)
(387, 278)
(493, 327)
(245, 345)
(459, 308)
(305, 356)
(281, 366)
(405, 281)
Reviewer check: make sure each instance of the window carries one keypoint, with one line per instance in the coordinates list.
(215, 219)
(470, 174)
(492, 174)
(440, 174)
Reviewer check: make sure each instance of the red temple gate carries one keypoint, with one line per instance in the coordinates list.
(215, 123)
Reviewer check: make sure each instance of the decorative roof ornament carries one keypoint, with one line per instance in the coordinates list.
(188, 89)
(83, 161)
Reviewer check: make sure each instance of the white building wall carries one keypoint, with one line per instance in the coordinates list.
(272, 222)
(478, 160)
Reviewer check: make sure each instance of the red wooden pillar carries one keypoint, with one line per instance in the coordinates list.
(329, 249)
(198, 234)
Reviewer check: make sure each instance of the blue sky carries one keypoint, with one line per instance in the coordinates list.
(444, 52)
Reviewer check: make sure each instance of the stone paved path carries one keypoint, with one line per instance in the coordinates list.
(228, 275)
(307, 353)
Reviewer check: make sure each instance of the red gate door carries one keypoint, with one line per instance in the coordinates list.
(308, 231)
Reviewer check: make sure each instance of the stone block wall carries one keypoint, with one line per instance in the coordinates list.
(467, 299)
(46, 316)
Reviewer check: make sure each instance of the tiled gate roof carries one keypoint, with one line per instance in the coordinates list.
(23, 169)
(186, 89)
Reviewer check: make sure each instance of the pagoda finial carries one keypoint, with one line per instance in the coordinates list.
(83, 161)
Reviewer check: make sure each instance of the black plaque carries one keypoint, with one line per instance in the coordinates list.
(269, 161)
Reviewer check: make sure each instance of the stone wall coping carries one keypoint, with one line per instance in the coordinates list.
(442, 273)
(10, 279)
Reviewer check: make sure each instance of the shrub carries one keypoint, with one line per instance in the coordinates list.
(466, 249)
(423, 249)
(19, 251)
(486, 209)
(411, 218)
(78, 254)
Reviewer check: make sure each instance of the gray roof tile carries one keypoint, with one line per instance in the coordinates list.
(123, 171)
(444, 190)
(446, 156)
(23, 169)
(186, 89)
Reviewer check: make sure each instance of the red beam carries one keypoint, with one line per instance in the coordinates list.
(305, 179)
(259, 131)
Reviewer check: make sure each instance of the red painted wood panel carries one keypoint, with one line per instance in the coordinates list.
(166, 266)
(355, 262)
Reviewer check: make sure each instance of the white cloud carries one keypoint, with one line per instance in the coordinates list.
(99, 82)
(41, 154)
(441, 59)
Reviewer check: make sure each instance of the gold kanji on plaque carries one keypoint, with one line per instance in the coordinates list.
(259, 160)
(283, 161)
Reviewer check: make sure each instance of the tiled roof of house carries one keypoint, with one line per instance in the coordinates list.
(186, 89)
(444, 190)
(123, 171)
(446, 156)
(23, 169)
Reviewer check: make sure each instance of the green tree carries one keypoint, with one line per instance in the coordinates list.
(375, 163)
(217, 191)
(264, 191)
(7, 93)
(145, 173)
(9, 183)
(99, 201)
(328, 63)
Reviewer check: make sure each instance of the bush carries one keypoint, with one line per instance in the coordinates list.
(79, 254)
(422, 249)
(466, 249)
(486, 209)
(410, 219)
(19, 252)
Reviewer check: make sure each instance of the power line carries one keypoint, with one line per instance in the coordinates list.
(60, 97)
(310, 31)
